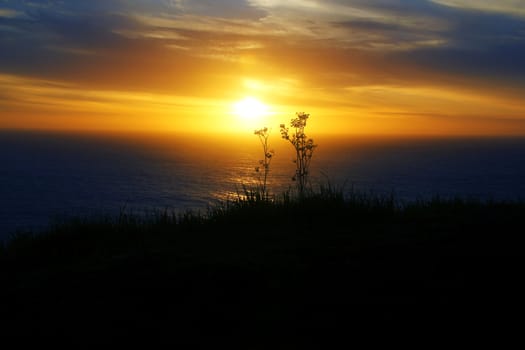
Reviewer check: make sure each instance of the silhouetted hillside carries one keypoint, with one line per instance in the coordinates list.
(261, 274)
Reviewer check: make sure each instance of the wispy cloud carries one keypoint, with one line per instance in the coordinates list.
(9, 13)
(508, 7)
(329, 49)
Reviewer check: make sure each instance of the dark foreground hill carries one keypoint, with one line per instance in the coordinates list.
(259, 275)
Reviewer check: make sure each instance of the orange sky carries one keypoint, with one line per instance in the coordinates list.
(358, 67)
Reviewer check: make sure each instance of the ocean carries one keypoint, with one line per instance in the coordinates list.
(45, 176)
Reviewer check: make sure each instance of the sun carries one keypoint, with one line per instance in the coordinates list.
(250, 109)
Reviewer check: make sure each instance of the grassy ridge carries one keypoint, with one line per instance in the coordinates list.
(268, 272)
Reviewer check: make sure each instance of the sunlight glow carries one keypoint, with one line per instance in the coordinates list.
(250, 108)
(250, 114)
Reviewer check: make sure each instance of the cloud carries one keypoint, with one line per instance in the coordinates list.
(229, 9)
(43, 104)
(205, 48)
(8, 13)
(508, 7)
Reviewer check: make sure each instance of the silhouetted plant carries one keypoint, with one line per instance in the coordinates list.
(304, 148)
(264, 164)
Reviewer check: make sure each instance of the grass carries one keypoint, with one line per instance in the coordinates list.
(268, 272)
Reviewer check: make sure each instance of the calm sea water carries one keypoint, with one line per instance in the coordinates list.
(48, 176)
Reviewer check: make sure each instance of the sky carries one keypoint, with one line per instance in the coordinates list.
(396, 67)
